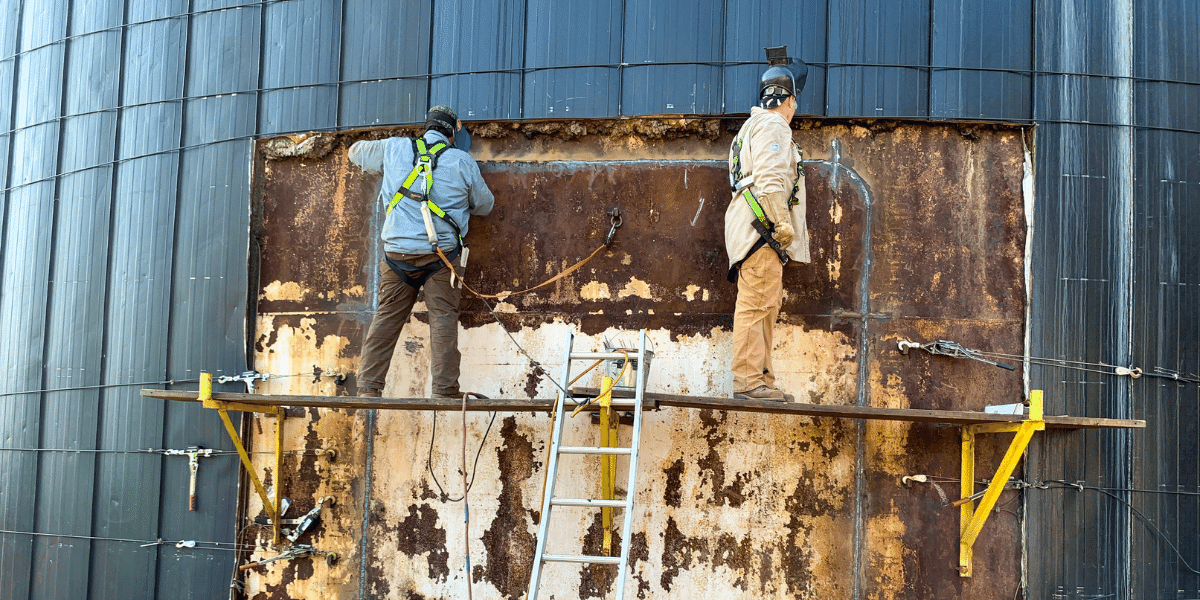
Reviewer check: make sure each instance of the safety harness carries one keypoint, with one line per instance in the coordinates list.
(765, 228)
(425, 159)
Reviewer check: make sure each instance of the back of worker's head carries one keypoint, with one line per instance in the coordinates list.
(441, 119)
(784, 78)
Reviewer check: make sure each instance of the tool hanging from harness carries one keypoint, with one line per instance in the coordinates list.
(425, 160)
(741, 186)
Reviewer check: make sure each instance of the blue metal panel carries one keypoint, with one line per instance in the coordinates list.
(759, 24)
(869, 32)
(43, 23)
(209, 291)
(223, 52)
(153, 68)
(984, 36)
(92, 82)
(1166, 301)
(73, 356)
(97, 15)
(140, 12)
(1167, 265)
(215, 119)
(1082, 281)
(128, 486)
(373, 53)
(300, 65)
(472, 39)
(572, 34)
(683, 32)
(22, 334)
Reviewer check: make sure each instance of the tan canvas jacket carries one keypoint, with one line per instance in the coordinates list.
(769, 158)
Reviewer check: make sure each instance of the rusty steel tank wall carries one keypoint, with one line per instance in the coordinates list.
(918, 232)
(128, 128)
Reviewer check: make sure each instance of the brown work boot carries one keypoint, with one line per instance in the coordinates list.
(762, 392)
(370, 393)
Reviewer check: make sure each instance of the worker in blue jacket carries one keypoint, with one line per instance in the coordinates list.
(430, 190)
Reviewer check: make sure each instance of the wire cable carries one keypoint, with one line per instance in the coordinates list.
(188, 544)
(1143, 518)
(100, 387)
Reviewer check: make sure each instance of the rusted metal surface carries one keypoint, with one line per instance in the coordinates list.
(918, 233)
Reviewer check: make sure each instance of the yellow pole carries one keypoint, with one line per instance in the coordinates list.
(205, 395)
(967, 510)
(279, 414)
(608, 471)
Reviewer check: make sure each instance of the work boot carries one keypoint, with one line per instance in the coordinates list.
(370, 393)
(457, 396)
(762, 392)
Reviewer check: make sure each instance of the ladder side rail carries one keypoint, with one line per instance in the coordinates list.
(631, 486)
(535, 575)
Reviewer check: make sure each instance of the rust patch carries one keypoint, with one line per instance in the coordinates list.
(679, 552)
(418, 533)
(507, 538)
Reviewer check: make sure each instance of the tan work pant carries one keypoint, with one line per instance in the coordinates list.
(759, 297)
(396, 300)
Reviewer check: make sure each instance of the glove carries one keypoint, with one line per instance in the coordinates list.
(784, 234)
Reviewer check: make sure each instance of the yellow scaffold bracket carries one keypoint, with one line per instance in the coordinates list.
(271, 505)
(972, 517)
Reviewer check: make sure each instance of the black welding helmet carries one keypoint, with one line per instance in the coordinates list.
(784, 77)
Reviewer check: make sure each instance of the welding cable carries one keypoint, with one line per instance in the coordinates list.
(466, 489)
(1143, 518)
(474, 467)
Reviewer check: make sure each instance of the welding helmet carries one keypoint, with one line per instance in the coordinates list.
(784, 77)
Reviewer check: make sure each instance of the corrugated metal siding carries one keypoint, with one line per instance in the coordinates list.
(1082, 286)
(1166, 302)
(123, 255)
(560, 34)
(481, 42)
(758, 24)
(972, 44)
(878, 33)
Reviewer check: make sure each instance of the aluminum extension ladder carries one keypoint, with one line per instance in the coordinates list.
(557, 449)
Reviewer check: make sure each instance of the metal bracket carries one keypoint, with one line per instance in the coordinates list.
(972, 517)
(271, 505)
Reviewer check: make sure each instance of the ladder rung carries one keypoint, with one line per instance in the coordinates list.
(593, 450)
(581, 558)
(603, 356)
(594, 502)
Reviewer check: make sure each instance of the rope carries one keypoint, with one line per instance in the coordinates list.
(569, 270)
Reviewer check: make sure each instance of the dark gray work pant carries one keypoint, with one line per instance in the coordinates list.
(396, 300)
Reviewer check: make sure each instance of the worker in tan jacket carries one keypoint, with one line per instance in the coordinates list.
(765, 225)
